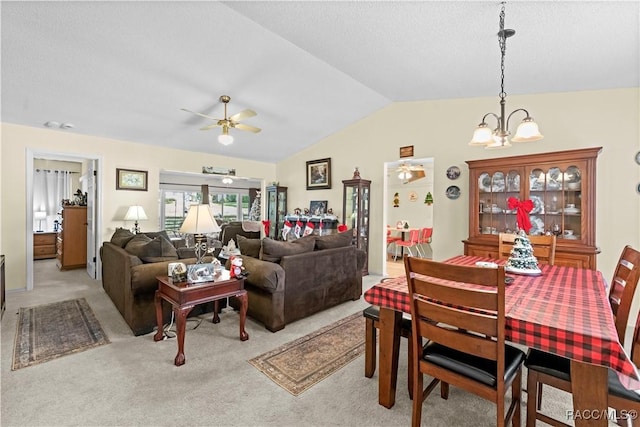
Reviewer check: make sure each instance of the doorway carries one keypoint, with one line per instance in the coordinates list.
(94, 203)
(407, 182)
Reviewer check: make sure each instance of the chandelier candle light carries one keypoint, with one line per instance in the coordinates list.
(200, 222)
(499, 137)
(136, 213)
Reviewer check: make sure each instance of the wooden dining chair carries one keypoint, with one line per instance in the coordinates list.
(372, 325)
(465, 325)
(544, 247)
(545, 368)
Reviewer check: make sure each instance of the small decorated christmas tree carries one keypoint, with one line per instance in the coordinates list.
(428, 200)
(521, 258)
(254, 212)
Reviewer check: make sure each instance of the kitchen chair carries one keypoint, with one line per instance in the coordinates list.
(391, 239)
(465, 327)
(544, 247)
(425, 239)
(414, 237)
(545, 368)
(372, 325)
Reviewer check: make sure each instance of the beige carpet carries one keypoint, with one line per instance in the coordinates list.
(300, 364)
(46, 332)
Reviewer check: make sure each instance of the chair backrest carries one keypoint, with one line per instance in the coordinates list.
(544, 247)
(414, 237)
(425, 234)
(467, 318)
(623, 288)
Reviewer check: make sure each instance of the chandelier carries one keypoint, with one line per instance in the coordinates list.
(499, 137)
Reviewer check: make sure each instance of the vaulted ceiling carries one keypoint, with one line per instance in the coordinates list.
(123, 70)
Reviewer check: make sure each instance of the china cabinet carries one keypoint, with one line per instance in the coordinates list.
(355, 208)
(562, 189)
(276, 210)
(71, 242)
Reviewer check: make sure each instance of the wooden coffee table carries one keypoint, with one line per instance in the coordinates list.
(183, 296)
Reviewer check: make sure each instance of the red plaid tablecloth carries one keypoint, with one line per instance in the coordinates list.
(564, 311)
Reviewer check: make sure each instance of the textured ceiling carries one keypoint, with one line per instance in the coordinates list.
(123, 70)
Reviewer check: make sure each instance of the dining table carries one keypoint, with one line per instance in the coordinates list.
(564, 311)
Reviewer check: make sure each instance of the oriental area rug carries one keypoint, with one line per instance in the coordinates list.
(298, 365)
(46, 332)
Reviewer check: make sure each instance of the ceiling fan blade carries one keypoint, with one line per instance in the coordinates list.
(211, 126)
(245, 114)
(199, 114)
(246, 127)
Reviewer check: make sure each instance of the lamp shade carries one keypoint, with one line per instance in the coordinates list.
(527, 131)
(135, 213)
(39, 215)
(482, 135)
(199, 221)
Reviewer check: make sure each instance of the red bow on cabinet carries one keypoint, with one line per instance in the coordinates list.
(266, 224)
(522, 214)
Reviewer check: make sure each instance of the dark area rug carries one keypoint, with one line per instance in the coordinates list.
(300, 364)
(49, 331)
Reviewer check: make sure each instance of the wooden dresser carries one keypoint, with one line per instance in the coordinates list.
(72, 239)
(44, 245)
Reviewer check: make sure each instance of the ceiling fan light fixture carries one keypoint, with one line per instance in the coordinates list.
(405, 174)
(224, 138)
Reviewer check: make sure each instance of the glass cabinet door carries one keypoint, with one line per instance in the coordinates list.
(276, 210)
(558, 193)
(494, 214)
(356, 199)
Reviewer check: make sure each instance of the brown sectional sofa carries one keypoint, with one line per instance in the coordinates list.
(130, 265)
(288, 281)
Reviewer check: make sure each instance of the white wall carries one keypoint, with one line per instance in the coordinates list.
(438, 129)
(16, 140)
(442, 129)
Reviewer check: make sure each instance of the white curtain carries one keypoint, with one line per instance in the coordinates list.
(49, 188)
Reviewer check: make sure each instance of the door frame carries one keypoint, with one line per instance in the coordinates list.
(31, 155)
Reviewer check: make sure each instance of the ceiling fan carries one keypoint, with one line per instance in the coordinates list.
(228, 122)
(409, 172)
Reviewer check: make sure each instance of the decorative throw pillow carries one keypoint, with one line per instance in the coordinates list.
(135, 246)
(121, 237)
(159, 249)
(331, 241)
(273, 250)
(184, 253)
(154, 234)
(249, 247)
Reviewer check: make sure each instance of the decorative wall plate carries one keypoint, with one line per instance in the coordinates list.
(453, 192)
(638, 157)
(453, 172)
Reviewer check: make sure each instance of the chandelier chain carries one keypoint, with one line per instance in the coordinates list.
(502, 42)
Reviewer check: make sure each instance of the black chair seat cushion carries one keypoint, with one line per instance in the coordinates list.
(560, 367)
(550, 364)
(477, 368)
(373, 312)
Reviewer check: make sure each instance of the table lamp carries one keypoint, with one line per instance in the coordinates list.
(135, 213)
(199, 222)
(39, 215)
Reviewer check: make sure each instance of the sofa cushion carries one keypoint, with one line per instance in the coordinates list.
(121, 237)
(331, 241)
(150, 250)
(249, 247)
(185, 252)
(154, 234)
(273, 250)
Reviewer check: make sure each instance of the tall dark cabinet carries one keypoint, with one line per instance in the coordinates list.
(355, 213)
(276, 210)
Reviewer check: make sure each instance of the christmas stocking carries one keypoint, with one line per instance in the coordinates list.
(308, 229)
(266, 224)
(298, 229)
(286, 230)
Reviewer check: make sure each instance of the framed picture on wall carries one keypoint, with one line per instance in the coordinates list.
(319, 174)
(318, 207)
(129, 179)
